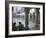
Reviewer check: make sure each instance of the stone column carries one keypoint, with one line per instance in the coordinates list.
(26, 18)
(37, 17)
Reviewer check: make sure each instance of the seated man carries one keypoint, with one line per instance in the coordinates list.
(20, 26)
(14, 27)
